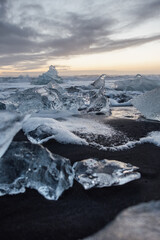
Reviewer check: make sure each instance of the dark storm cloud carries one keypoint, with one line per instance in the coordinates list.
(71, 34)
(84, 32)
(14, 39)
(33, 6)
(146, 10)
(3, 8)
(68, 47)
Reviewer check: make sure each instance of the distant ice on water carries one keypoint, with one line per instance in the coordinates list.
(138, 83)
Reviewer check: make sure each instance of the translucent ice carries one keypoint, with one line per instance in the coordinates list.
(90, 98)
(34, 100)
(149, 104)
(39, 130)
(31, 166)
(54, 97)
(50, 76)
(99, 102)
(10, 124)
(100, 82)
(138, 83)
(104, 173)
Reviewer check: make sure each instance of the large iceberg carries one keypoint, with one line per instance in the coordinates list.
(140, 222)
(138, 83)
(39, 130)
(104, 173)
(10, 124)
(50, 76)
(149, 104)
(27, 165)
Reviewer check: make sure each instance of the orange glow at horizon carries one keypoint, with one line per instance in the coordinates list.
(143, 59)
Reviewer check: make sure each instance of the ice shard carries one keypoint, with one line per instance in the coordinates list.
(39, 130)
(100, 82)
(104, 173)
(99, 102)
(27, 165)
(10, 124)
(149, 104)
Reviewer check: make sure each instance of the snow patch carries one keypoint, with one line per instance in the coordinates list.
(39, 130)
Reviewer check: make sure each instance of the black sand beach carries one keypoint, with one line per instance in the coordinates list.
(79, 213)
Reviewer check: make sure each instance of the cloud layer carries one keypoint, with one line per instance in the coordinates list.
(31, 34)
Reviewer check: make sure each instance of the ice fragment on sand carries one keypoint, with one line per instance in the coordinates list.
(149, 104)
(104, 173)
(10, 124)
(39, 130)
(25, 165)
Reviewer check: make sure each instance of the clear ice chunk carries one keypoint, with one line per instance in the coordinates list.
(100, 82)
(54, 97)
(91, 98)
(34, 100)
(10, 124)
(39, 130)
(99, 102)
(149, 104)
(27, 165)
(104, 173)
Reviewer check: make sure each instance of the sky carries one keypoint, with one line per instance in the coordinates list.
(79, 36)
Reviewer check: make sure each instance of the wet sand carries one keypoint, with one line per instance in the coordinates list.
(79, 213)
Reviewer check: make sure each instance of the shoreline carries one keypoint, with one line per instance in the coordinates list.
(79, 213)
